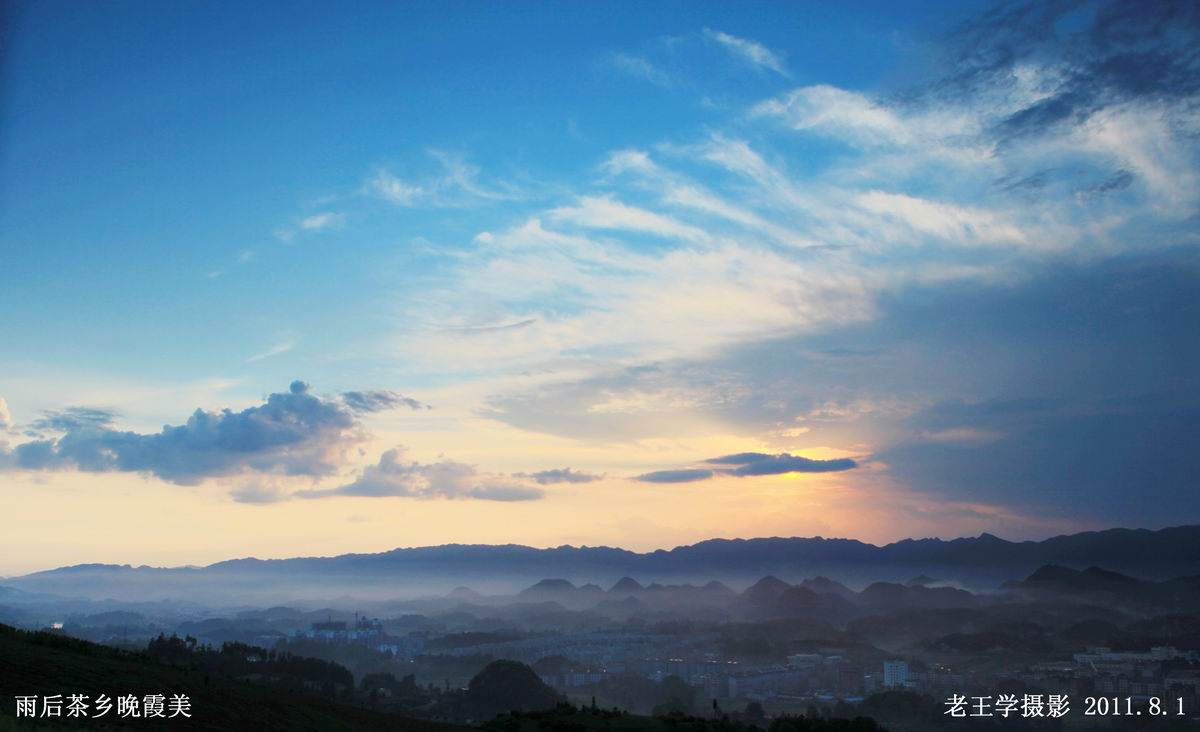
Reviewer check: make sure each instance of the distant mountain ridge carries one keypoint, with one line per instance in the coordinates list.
(982, 562)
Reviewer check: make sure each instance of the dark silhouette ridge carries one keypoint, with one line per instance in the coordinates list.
(981, 563)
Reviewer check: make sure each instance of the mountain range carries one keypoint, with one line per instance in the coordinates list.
(981, 563)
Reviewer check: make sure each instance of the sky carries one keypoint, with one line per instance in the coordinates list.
(325, 279)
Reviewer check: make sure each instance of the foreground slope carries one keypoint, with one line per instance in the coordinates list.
(46, 664)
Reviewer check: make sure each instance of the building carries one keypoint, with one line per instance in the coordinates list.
(365, 631)
(895, 674)
(767, 682)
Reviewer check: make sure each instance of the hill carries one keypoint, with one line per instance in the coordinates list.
(503, 686)
(1102, 586)
(45, 664)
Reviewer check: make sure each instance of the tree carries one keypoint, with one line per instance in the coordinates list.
(675, 689)
(754, 711)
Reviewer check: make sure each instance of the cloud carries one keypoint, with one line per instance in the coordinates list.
(393, 190)
(958, 435)
(954, 224)
(502, 492)
(293, 433)
(483, 329)
(1070, 392)
(751, 51)
(1118, 181)
(1074, 394)
(602, 212)
(463, 176)
(6, 422)
(926, 240)
(687, 475)
(748, 464)
(1042, 93)
(914, 202)
(259, 492)
(559, 475)
(75, 418)
(277, 349)
(1125, 461)
(678, 191)
(394, 477)
(322, 221)
(316, 223)
(456, 184)
(839, 113)
(687, 61)
(1119, 53)
(640, 68)
(379, 400)
(757, 463)
(626, 301)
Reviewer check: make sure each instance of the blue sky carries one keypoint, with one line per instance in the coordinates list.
(180, 137)
(936, 260)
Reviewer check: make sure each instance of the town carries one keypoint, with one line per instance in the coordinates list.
(774, 647)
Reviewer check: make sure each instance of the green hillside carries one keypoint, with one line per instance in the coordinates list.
(46, 664)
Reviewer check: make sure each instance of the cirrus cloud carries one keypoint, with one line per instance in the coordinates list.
(750, 51)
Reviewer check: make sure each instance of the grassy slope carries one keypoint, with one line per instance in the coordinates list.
(42, 664)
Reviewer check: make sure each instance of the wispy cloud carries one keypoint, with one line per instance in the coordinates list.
(611, 297)
(751, 51)
(278, 348)
(847, 115)
(457, 183)
(641, 68)
(492, 328)
(244, 256)
(322, 221)
(313, 224)
(602, 212)
(393, 190)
